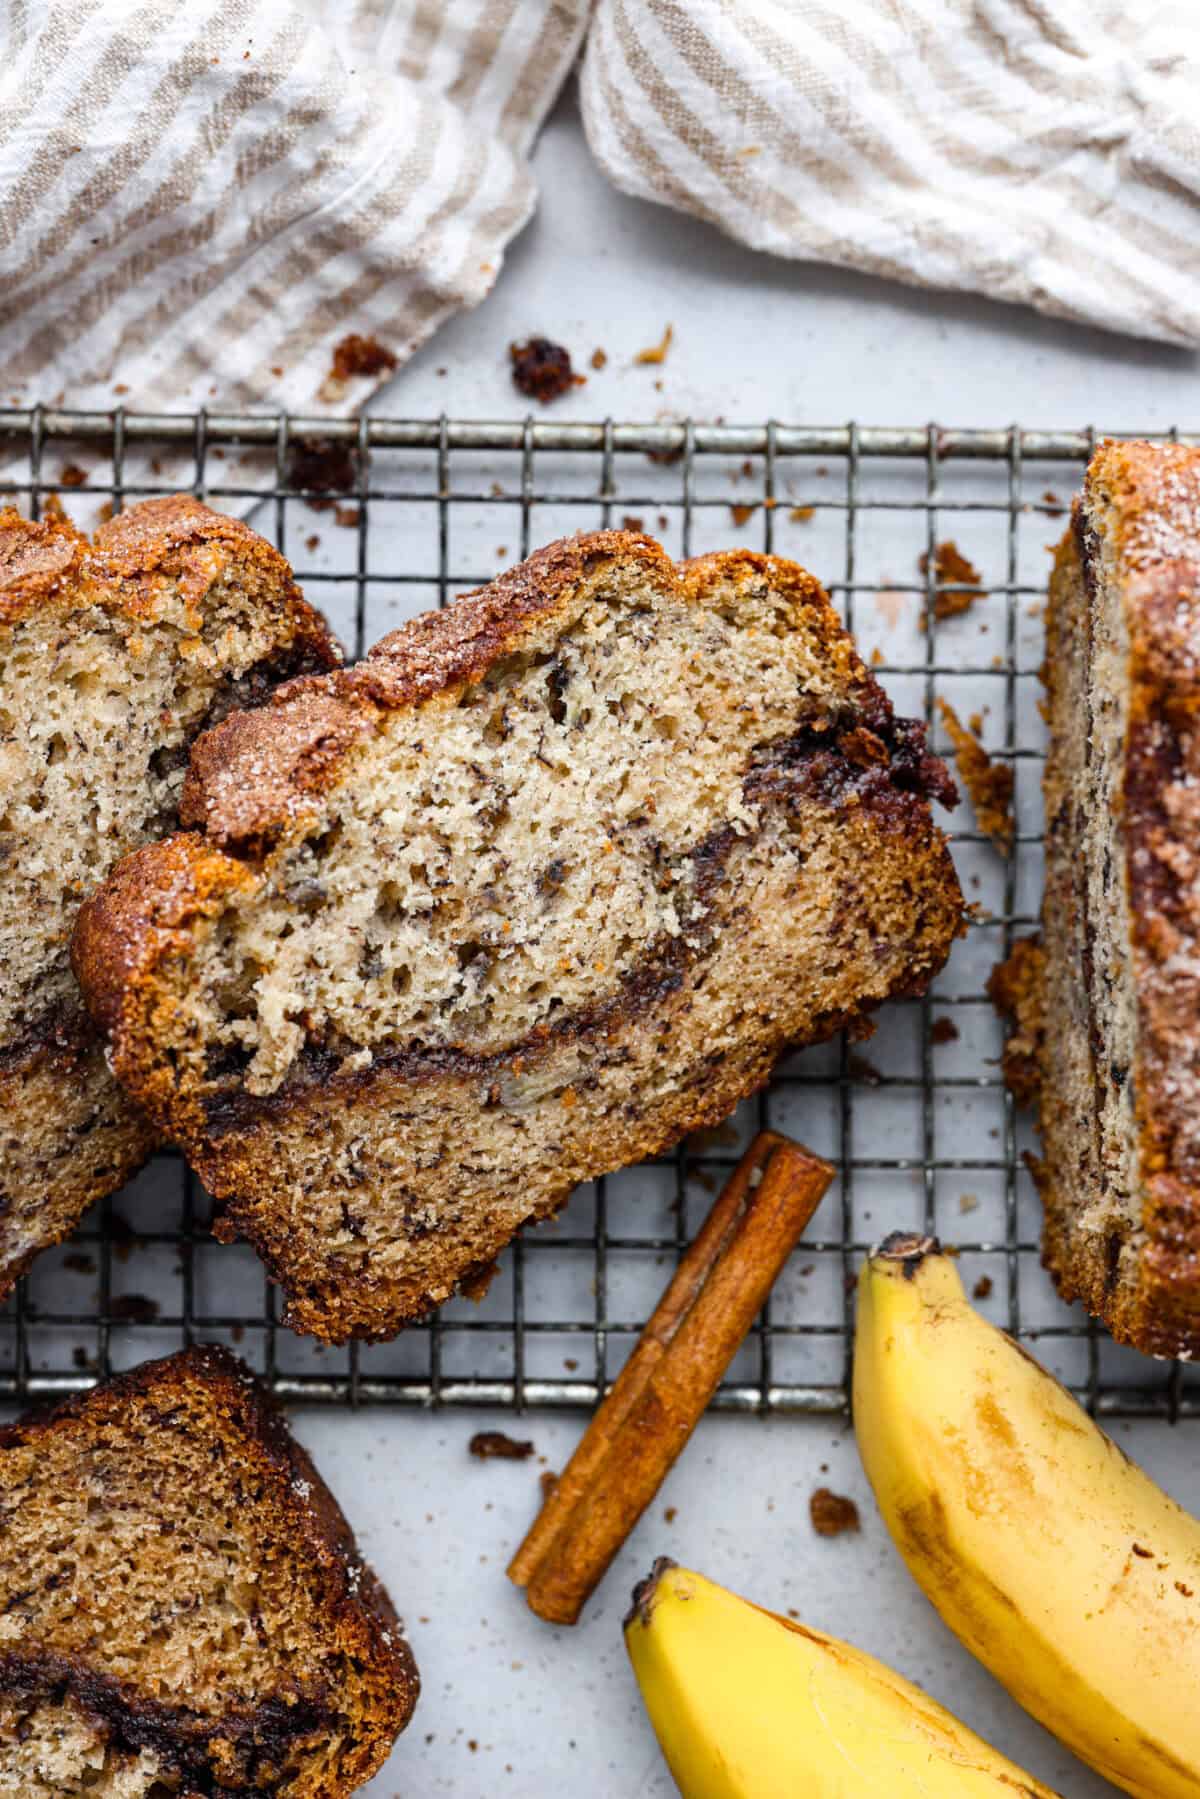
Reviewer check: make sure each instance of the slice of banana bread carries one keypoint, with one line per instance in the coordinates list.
(1106, 1004)
(182, 1607)
(113, 654)
(547, 881)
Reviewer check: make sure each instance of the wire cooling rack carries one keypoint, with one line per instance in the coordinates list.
(383, 518)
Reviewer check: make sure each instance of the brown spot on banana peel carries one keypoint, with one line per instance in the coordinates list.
(997, 1428)
(996, 1425)
(923, 1537)
(909, 1248)
(642, 1601)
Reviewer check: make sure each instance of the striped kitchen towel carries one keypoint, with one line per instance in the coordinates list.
(1042, 151)
(200, 200)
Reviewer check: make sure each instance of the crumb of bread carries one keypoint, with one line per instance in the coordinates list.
(956, 581)
(833, 1514)
(542, 370)
(657, 352)
(358, 355)
(319, 465)
(1015, 990)
(134, 1308)
(990, 784)
(860, 1068)
(493, 1445)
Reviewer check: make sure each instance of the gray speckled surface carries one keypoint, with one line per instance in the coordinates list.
(555, 1710)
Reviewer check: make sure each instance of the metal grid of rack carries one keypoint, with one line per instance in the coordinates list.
(384, 517)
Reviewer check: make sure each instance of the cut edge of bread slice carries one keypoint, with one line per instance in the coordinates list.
(185, 1609)
(1106, 1003)
(720, 762)
(115, 651)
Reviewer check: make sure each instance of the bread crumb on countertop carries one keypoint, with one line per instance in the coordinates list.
(495, 1445)
(956, 580)
(541, 369)
(657, 352)
(989, 784)
(832, 1513)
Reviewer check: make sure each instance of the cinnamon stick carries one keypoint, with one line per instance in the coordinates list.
(641, 1427)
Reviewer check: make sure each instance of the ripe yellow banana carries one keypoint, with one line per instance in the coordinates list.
(1058, 1562)
(748, 1705)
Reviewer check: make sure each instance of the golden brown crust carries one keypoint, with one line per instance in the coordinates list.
(178, 539)
(143, 537)
(356, 1616)
(253, 775)
(48, 562)
(441, 652)
(39, 559)
(146, 905)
